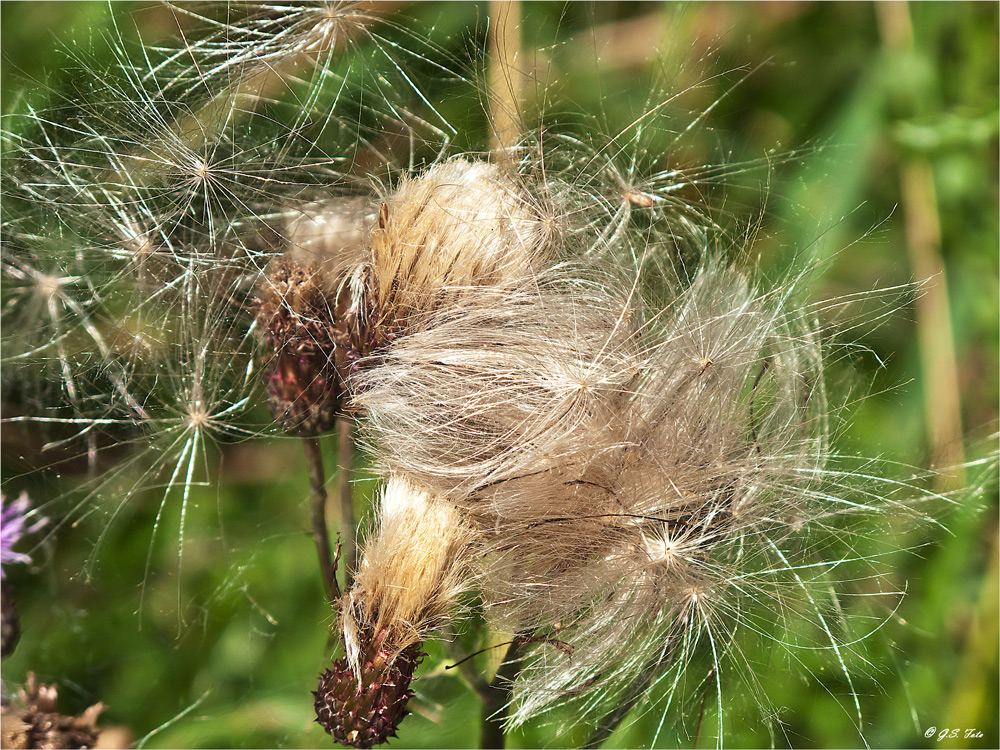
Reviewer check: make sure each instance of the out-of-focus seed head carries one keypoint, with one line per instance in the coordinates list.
(38, 723)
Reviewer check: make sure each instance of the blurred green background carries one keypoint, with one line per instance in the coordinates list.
(892, 114)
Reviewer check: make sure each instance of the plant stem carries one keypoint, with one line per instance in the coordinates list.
(465, 666)
(970, 702)
(495, 702)
(345, 465)
(317, 481)
(942, 399)
(701, 713)
(505, 76)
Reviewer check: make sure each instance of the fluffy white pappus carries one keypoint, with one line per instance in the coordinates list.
(591, 454)
(713, 471)
(331, 235)
(259, 45)
(636, 478)
(413, 568)
(504, 386)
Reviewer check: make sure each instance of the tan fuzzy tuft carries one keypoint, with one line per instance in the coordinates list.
(461, 226)
(412, 571)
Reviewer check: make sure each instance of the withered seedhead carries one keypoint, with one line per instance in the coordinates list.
(38, 724)
(367, 713)
(299, 321)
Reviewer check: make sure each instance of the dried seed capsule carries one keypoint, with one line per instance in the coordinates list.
(366, 712)
(299, 323)
(38, 723)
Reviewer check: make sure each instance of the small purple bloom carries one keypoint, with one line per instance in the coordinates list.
(14, 524)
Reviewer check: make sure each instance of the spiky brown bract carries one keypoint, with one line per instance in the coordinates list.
(299, 322)
(365, 712)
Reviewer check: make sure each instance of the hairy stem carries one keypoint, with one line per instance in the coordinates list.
(317, 481)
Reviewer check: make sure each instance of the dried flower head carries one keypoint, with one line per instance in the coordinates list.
(37, 723)
(300, 326)
(407, 585)
(625, 479)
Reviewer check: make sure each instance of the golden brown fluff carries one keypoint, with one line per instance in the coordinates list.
(460, 227)
(413, 568)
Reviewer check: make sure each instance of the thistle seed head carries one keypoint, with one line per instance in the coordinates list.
(615, 469)
(412, 571)
(363, 707)
(299, 323)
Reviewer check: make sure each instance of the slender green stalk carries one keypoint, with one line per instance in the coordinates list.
(942, 399)
(317, 481)
(464, 664)
(345, 465)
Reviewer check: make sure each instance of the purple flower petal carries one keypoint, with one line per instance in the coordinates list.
(14, 524)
